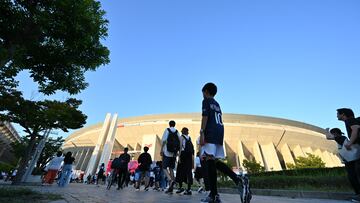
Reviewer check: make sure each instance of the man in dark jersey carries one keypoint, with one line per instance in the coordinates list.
(353, 128)
(211, 141)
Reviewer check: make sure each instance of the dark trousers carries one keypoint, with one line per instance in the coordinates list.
(353, 171)
(184, 170)
(122, 176)
(213, 166)
(204, 169)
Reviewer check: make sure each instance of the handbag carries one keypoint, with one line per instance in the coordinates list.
(350, 155)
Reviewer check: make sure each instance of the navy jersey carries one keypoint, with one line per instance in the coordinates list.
(214, 131)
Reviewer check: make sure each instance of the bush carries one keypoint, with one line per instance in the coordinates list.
(321, 179)
(252, 166)
(337, 171)
(311, 161)
(6, 167)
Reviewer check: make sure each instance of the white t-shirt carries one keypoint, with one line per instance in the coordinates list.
(55, 163)
(197, 162)
(183, 141)
(164, 139)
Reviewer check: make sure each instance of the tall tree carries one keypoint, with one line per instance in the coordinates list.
(56, 42)
(38, 116)
(52, 145)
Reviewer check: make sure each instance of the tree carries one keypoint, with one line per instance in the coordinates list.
(52, 145)
(56, 42)
(311, 161)
(252, 166)
(38, 116)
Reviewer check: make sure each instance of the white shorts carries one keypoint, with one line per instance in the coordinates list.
(215, 150)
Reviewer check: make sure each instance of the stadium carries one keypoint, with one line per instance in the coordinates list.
(273, 142)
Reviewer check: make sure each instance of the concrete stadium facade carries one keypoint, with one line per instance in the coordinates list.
(8, 135)
(273, 142)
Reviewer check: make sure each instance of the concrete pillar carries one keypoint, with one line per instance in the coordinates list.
(336, 160)
(298, 152)
(109, 144)
(328, 160)
(286, 153)
(320, 154)
(81, 159)
(96, 154)
(271, 159)
(77, 156)
(307, 150)
(241, 154)
(257, 154)
(86, 159)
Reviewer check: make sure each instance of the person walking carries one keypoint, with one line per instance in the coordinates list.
(353, 130)
(101, 174)
(66, 170)
(198, 174)
(185, 164)
(211, 141)
(123, 168)
(349, 159)
(170, 147)
(52, 168)
(143, 171)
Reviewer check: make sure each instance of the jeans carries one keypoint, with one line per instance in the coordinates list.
(65, 175)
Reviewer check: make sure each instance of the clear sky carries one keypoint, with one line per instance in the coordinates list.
(296, 59)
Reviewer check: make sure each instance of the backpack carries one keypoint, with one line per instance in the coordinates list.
(123, 162)
(189, 147)
(116, 163)
(173, 142)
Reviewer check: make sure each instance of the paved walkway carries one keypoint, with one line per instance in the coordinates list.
(93, 194)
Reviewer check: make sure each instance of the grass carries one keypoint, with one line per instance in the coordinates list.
(25, 195)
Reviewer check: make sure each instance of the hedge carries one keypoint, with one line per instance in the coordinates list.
(323, 179)
(336, 171)
(6, 167)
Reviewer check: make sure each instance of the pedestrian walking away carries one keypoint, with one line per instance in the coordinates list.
(212, 149)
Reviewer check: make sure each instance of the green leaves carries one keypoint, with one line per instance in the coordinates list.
(311, 161)
(56, 41)
(36, 116)
(252, 166)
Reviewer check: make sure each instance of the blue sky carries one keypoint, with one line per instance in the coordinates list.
(297, 59)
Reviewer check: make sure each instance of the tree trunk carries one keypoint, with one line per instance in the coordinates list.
(25, 160)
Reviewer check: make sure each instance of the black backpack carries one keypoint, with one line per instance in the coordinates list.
(173, 142)
(189, 147)
(116, 163)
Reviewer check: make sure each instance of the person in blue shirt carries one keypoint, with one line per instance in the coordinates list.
(211, 142)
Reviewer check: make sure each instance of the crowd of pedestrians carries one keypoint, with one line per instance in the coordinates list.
(201, 161)
(178, 152)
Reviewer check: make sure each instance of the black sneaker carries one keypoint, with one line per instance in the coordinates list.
(355, 198)
(180, 190)
(169, 191)
(217, 199)
(207, 199)
(187, 192)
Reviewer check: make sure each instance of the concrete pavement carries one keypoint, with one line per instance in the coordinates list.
(93, 194)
